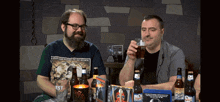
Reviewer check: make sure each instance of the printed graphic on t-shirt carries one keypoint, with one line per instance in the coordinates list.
(62, 67)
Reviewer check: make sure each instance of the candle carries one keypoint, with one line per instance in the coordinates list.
(80, 86)
(81, 92)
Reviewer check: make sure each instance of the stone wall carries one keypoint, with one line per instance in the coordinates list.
(110, 22)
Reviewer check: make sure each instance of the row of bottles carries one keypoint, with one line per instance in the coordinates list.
(187, 93)
(181, 94)
(74, 81)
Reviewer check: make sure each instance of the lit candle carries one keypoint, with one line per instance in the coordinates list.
(80, 86)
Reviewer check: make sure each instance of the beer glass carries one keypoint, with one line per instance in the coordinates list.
(139, 63)
(61, 90)
(141, 49)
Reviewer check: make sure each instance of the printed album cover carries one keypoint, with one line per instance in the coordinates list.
(120, 94)
(156, 95)
(62, 68)
(101, 89)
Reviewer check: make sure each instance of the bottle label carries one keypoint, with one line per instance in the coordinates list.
(179, 93)
(137, 76)
(138, 97)
(83, 71)
(189, 98)
(94, 93)
(190, 77)
(94, 76)
(179, 76)
(58, 87)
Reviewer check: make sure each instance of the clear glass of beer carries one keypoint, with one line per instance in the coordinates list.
(141, 49)
(61, 90)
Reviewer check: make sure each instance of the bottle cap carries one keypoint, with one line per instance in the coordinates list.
(137, 71)
(95, 67)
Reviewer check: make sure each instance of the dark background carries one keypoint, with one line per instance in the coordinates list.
(180, 30)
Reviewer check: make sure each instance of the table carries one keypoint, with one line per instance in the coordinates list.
(68, 96)
(111, 66)
(173, 99)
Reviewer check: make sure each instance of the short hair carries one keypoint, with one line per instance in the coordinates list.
(65, 16)
(156, 17)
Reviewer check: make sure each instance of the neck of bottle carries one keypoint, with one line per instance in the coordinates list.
(190, 76)
(84, 76)
(179, 75)
(95, 72)
(190, 79)
(74, 75)
(137, 80)
(94, 77)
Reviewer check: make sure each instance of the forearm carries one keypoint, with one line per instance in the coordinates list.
(127, 72)
(197, 86)
(46, 86)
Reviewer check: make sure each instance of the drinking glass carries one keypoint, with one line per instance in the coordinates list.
(61, 90)
(141, 49)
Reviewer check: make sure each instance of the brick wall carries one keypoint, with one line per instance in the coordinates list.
(110, 22)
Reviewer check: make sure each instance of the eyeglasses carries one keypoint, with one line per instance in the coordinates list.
(76, 26)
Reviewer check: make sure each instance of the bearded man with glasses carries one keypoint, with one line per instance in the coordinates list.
(72, 45)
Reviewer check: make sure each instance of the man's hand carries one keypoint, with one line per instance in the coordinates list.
(132, 49)
(129, 83)
(44, 83)
(129, 65)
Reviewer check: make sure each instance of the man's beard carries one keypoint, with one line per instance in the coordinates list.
(76, 42)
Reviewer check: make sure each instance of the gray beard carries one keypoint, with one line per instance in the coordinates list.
(76, 43)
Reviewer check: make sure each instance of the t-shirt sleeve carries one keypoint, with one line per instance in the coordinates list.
(45, 64)
(177, 61)
(98, 62)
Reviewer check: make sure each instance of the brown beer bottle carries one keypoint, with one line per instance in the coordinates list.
(137, 87)
(179, 87)
(84, 77)
(73, 81)
(190, 92)
(95, 74)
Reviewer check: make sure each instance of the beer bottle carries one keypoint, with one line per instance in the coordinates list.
(137, 87)
(84, 77)
(190, 92)
(179, 87)
(73, 81)
(95, 74)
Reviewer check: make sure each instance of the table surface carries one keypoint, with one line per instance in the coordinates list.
(173, 99)
(68, 96)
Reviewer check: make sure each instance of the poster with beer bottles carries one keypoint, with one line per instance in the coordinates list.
(62, 68)
(101, 89)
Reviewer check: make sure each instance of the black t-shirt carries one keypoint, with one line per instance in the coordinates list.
(57, 48)
(148, 75)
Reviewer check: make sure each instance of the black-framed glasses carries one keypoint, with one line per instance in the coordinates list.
(76, 26)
